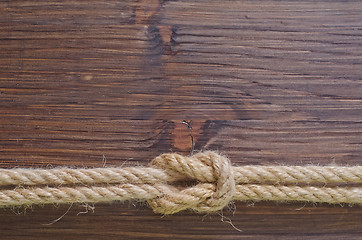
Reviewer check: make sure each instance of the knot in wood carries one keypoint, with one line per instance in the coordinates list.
(215, 183)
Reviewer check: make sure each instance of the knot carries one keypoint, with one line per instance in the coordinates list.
(215, 183)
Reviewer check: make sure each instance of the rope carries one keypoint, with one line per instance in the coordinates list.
(137, 175)
(217, 183)
(193, 198)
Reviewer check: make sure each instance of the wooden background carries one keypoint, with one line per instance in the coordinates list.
(108, 83)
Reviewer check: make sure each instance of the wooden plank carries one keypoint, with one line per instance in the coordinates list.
(109, 83)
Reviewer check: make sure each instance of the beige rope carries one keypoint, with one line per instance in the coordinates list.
(136, 175)
(217, 183)
(69, 176)
(197, 198)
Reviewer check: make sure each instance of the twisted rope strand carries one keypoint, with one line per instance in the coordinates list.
(92, 194)
(298, 174)
(243, 174)
(217, 183)
(333, 195)
(70, 176)
(191, 198)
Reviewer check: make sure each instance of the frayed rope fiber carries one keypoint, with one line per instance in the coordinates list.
(216, 183)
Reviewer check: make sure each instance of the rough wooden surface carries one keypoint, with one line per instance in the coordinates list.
(106, 83)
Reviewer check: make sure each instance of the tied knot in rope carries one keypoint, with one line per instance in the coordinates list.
(214, 189)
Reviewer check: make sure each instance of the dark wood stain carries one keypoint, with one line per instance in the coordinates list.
(88, 83)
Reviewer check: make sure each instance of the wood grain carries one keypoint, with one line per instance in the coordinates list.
(106, 83)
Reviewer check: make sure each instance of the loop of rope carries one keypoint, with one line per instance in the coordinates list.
(217, 183)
